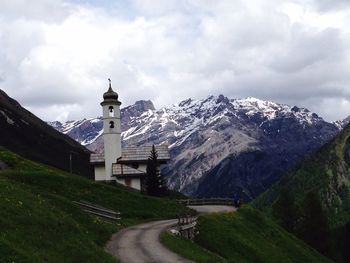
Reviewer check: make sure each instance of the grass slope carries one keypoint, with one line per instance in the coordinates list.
(325, 172)
(244, 236)
(189, 249)
(24, 133)
(39, 222)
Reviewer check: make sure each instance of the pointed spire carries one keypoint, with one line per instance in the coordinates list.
(110, 85)
(110, 94)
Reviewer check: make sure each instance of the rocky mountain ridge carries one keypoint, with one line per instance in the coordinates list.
(219, 146)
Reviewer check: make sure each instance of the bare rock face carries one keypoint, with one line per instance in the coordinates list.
(219, 146)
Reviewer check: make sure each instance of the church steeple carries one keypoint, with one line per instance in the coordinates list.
(110, 95)
(111, 129)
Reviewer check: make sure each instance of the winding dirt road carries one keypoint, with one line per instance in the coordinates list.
(140, 244)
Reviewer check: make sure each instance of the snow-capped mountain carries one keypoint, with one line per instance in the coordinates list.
(341, 124)
(219, 146)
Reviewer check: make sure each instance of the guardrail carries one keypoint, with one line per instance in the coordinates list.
(209, 201)
(98, 211)
(186, 225)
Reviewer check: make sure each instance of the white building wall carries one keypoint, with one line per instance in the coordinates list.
(100, 173)
(142, 167)
(134, 182)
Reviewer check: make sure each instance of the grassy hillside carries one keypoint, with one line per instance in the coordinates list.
(244, 236)
(24, 133)
(326, 175)
(39, 222)
(326, 172)
(189, 249)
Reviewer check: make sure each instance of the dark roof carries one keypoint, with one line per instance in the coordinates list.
(96, 158)
(141, 153)
(122, 170)
(135, 154)
(110, 94)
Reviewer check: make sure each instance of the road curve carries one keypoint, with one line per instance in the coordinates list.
(206, 209)
(140, 244)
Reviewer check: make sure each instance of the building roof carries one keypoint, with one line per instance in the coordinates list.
(110, 94)
(122, 170)
(132, 154)
(96, 158)
(142, 153)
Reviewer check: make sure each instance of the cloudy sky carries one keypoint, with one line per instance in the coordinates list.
(56, 55)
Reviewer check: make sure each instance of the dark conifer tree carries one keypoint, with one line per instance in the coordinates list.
(285, 211)
(154, 182)
(346, 242)
(314, 228)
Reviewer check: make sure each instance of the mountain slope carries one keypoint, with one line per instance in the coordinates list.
(40, 223)
(214, 141)
(27, 135)
(243, 236)
(327, 172)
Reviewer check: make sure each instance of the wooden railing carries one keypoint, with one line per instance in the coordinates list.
(186, 225)
(209, 201)
(98, 211)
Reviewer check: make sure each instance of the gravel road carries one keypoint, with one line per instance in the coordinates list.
(140, 244)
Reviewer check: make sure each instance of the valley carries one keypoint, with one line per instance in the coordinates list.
(36, 194)
(213, 140)
(188, 131)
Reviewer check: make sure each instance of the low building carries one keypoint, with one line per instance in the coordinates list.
(126, 166)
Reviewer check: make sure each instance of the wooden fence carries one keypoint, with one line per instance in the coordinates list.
(99, 211)
(209, 201)
(186, 225)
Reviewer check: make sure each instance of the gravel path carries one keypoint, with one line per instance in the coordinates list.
(140, 244)
(213, 208)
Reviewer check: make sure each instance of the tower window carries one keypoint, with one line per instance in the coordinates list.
(111, 124)
(111, 111)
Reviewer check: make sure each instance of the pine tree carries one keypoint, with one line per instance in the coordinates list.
(285, 211)
(154, 182)
(346, 242)
(314, 228)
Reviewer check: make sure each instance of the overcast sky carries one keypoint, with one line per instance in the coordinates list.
(56, 55)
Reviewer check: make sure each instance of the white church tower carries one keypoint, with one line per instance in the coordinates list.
(111, 130)
(127, 166)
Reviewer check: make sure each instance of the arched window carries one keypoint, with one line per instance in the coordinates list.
(111, 124)
(111, 111)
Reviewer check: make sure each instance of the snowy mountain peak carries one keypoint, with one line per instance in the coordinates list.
(270, 110)
(343, 123)
(187, 117)
(204, 133)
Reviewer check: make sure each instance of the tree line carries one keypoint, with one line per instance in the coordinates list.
(308, 221)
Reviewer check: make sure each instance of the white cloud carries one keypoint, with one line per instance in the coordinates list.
(55, 57)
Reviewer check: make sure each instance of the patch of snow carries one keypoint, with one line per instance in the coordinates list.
(8, 119)
(88, 142)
